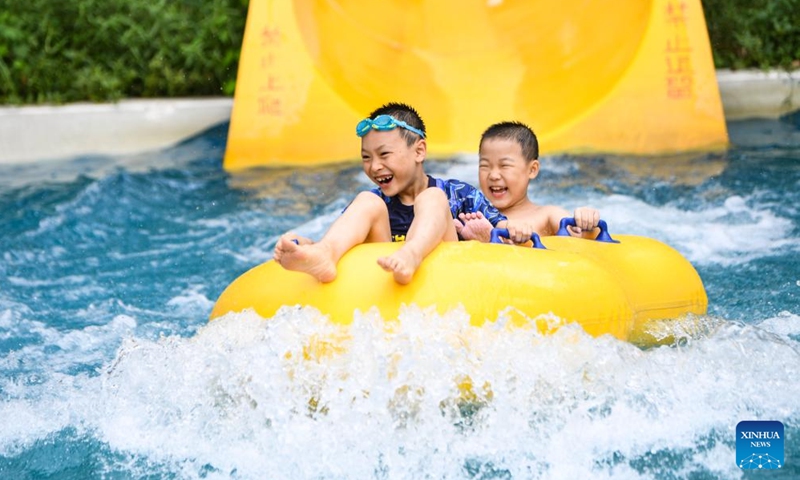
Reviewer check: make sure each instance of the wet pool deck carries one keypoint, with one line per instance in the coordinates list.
(132, 126)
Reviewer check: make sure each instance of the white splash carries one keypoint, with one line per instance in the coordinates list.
(428, 395)
(731, 234)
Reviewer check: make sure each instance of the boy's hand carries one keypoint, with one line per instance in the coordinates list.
(519, 232)
(473, 226)
(586, 220)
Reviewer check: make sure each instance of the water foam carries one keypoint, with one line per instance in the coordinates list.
(428, 396)
(734, 233)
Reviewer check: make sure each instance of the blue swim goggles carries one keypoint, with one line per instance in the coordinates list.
(383, 123)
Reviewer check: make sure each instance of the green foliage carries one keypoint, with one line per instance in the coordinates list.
(99, 50)
(754, 33)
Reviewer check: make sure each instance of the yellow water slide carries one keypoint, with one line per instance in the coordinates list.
(622, 76)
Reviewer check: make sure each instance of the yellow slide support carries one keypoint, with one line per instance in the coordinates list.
(628, 76)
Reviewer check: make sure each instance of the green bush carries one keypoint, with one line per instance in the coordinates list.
(98, 50)
(754, 33)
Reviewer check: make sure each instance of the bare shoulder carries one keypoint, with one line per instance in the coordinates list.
(553, 215)
(555, 211)
(537, 216)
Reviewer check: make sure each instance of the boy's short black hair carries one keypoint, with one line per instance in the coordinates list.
(518, 132)
(405, 113)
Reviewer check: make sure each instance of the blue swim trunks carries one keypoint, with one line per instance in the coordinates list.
(463, 197)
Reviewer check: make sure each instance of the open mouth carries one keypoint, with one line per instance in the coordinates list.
(498, 190)
(384, 180)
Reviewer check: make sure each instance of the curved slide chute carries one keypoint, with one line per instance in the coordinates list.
(629, 76)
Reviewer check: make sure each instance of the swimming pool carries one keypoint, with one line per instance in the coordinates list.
(109, 369)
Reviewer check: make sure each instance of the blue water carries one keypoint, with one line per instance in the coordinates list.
(109, 368)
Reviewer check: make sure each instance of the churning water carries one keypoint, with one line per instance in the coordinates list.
(109, 368)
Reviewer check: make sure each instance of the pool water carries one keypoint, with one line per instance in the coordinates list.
(109, 368)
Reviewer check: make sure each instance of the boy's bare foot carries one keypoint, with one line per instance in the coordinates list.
(473, 226)
(402, 263)
(314, 259)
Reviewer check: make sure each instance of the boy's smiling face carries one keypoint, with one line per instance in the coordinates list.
(392, 164)
(504, 172)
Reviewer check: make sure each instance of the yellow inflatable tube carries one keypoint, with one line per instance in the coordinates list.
(659, 282)
(608, 288)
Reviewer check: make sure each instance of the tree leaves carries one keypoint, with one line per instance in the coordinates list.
(101, 50)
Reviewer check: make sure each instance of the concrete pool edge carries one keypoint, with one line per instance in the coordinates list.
(758, 94)
(32, 133)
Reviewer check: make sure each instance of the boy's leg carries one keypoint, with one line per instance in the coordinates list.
(366, 219)
(433, 224)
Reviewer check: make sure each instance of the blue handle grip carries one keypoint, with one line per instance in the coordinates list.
(503, 232)
(603, 236)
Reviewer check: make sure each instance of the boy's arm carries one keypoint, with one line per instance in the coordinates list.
(466, 200)
(477, 202)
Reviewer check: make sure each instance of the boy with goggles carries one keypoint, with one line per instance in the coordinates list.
(407, 205)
